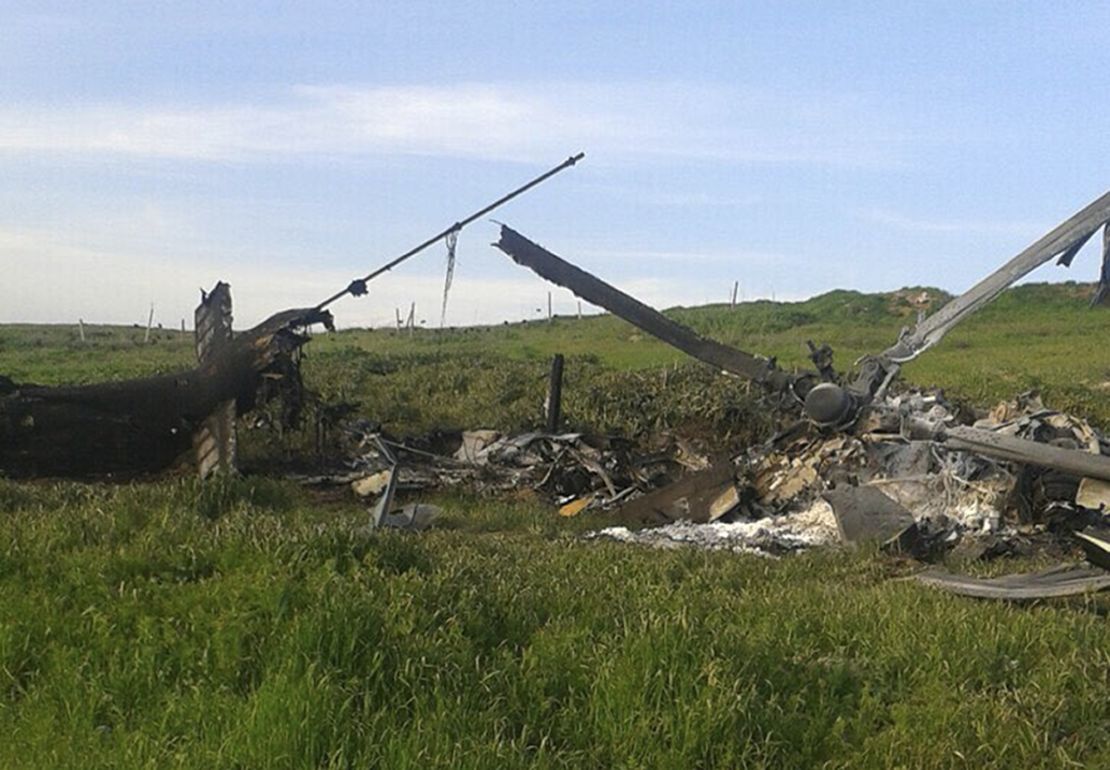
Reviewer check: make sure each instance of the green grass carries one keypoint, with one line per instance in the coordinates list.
(246, 624)
(620, 379)
(164, 625)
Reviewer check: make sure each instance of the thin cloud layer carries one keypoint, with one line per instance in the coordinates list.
(471, 120)
(899, 221)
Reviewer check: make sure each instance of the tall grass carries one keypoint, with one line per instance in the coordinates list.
(160, 625)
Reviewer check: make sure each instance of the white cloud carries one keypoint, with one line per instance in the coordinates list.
(732, 257)
(484, 120)
(899, 221)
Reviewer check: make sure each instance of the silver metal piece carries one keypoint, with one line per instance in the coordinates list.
(1075, 231)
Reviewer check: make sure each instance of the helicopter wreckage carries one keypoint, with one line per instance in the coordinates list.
(859, 457)
(888, 464)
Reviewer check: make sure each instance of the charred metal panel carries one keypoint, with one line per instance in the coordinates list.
(212, 322)
(144, 425)
(700, 497)
(864, 514)
(214, 443)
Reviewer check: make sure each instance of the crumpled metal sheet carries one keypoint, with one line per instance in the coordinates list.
(864, 514)
(698, 497)
(1096, 544)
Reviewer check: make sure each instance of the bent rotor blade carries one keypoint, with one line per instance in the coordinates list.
(1011, 448)
(594, 290)
(1068, 236)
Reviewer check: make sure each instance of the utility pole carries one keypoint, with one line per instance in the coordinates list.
(549, 307)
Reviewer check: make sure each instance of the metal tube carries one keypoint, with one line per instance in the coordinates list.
(1013, 449)
(457, 226)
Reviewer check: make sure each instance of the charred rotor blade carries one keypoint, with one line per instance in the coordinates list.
(1062, 240)
(1013, 449)
(594, 290)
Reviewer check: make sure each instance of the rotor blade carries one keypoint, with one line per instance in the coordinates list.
(594, 290)
(1012, 448)
(1076, 230)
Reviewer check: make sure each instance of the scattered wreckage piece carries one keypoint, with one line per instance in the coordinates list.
(698, 497)
(414, 517)
(576, 472)
(146, 425)
(865, 515)
(1060, 581)
(576, 506)
(1096, 545)
(1093, 494)
(384, 485)
(214, 443)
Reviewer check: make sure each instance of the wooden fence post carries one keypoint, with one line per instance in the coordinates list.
(554, 405)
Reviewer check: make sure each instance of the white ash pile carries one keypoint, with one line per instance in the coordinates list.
(773, 535)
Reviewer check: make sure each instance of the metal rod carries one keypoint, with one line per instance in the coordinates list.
(457, 226)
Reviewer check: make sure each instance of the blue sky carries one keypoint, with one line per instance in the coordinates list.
(148, 149)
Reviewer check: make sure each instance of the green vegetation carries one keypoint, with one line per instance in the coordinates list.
(242, 626)
(1036, 336)
(246, 624)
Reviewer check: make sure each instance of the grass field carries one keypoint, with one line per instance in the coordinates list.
(246, 624)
